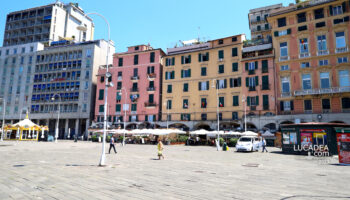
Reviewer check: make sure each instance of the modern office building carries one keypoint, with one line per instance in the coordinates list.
(259, 27)
(137, 77)
(65, 78)
(17, 65)
(312, 61)
(202, 82)
(47, 23)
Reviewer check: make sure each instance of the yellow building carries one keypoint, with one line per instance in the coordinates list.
(191, 74)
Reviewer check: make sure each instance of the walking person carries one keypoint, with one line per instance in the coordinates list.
(111, 145)
(160, 149)
(263, 142)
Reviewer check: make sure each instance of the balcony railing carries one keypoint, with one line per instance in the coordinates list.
(148, 104)
(135, 78)
(322, 52)
(151, 89)
(286, 94)
(134, 89)
(284, 58)
(341, 50)
(304, 55)
(152, 75)
(321, 91)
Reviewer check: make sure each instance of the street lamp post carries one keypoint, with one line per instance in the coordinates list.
(217, 112)
(124, 108)
(58, 115)
(3, 119)
(167, 117)
(83, 28)
(245, 113)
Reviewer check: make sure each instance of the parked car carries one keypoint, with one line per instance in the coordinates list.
(248, 143)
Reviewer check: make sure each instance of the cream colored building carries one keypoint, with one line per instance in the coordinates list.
(191, 74)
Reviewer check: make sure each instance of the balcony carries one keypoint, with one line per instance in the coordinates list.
(304, 55)
(262, 29)
(286, 94)
(134, 78)
(149, 104)
(321, 91)
(322, 52)
(255, 21)
(283, 58)
(134, 89)
(151, 89)
(341, 50)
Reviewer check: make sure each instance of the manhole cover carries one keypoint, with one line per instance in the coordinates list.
(251, 165)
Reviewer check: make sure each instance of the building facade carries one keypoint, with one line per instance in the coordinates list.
(65, 83)
(17, 64)
(312, 69)
(47, 23)
(137, 77)
(259, 27)
(201, 79)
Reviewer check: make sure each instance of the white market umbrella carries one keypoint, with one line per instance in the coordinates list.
(233, 133)
(267, 134)
(249, 133)
(199, 132)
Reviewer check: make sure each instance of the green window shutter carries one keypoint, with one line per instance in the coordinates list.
(207, 55)
(182, 59)
(248, 101)
(101, 108)
(289, 31)
(172, 74)
(182, 73)
(291, 105)
(276, 33)
(189, 58)
(101, 94)
(265, 82)
(265, 66)
(247, 82)
(257, 80)
(331, 10)
(257, 100)
(199, 57)
(166, 75)
(256, 65)
(189, 72)
(221, 54)
(146, 118)
(234, 52)
(167, 62)
(118, 108)
(173, 61)
(235, 101)
(239, 82)
(207, 85)
(225, 83)
(265, 102)
(246, 66)
(129, 118)
(231, 82)
(199, 86)
(152, 55)
(234, 67)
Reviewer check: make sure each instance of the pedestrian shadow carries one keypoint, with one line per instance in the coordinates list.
(154, 159)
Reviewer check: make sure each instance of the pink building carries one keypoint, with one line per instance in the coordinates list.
(136, 74)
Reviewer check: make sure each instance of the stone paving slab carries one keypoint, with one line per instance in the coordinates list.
(68, 170)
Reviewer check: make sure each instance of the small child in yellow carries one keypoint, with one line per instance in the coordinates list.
(160, 149)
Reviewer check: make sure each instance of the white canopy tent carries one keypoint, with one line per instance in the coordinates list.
(249, 133)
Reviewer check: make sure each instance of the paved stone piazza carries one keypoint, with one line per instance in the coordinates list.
(68, 170)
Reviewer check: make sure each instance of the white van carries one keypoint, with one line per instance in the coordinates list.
(248, 143)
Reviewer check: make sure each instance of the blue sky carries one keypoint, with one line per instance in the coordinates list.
(161, 23)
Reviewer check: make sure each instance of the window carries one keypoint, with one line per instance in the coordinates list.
(136, 59)
(169, 104)
(151, 98)
(235, 82)
(345, 103)
(234, 115)
(118, 108)
(306, 81)
(133, 107)
(185, 73)
(136, 70)
(342, 60)
(286, 105)
(170, 89)
(221, 69)
(185, 104)
(283, 49)
(307, 105)
(14, 51)
(265, 83)
(319, 13)
(285, 82)
(203, 102)
(323, 62)
(221, 102)
(326, 104)
(284, 67)
(302, 28)
(251, 66)
(102, 79)
(119, 96)
(221, 84)
(340, 42)
(344, 80)
(185, 117)
(203, 57)
(186, 59)
(258, 18)
(170, 61)
(101, 108)
(234, 67)
(265, 66)
(320, 24)
(336, 10)
(120, 62)
(203, 85)
(152, 57)
(305, 65)
(301, 17)
(281, 22)
(265, 102)
(234, 39)
(185, 88)
(322, 45)
(221, 54)
(304, 47)
(235, 101)
(169, 75)
(203, 71)
(101, 94)
(221, 42)
(251, 82)
(253, 101)
(234, 52)
(203, 117)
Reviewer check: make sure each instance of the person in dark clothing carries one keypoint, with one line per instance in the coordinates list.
(111, 145)
(263, 141)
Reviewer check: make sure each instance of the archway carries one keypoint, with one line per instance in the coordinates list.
(271, 127)
(228, 126)
(179, 126)
(251, 127)
(202, 126)
(131, 126)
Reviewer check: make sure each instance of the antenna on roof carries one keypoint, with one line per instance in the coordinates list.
(199, 29)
